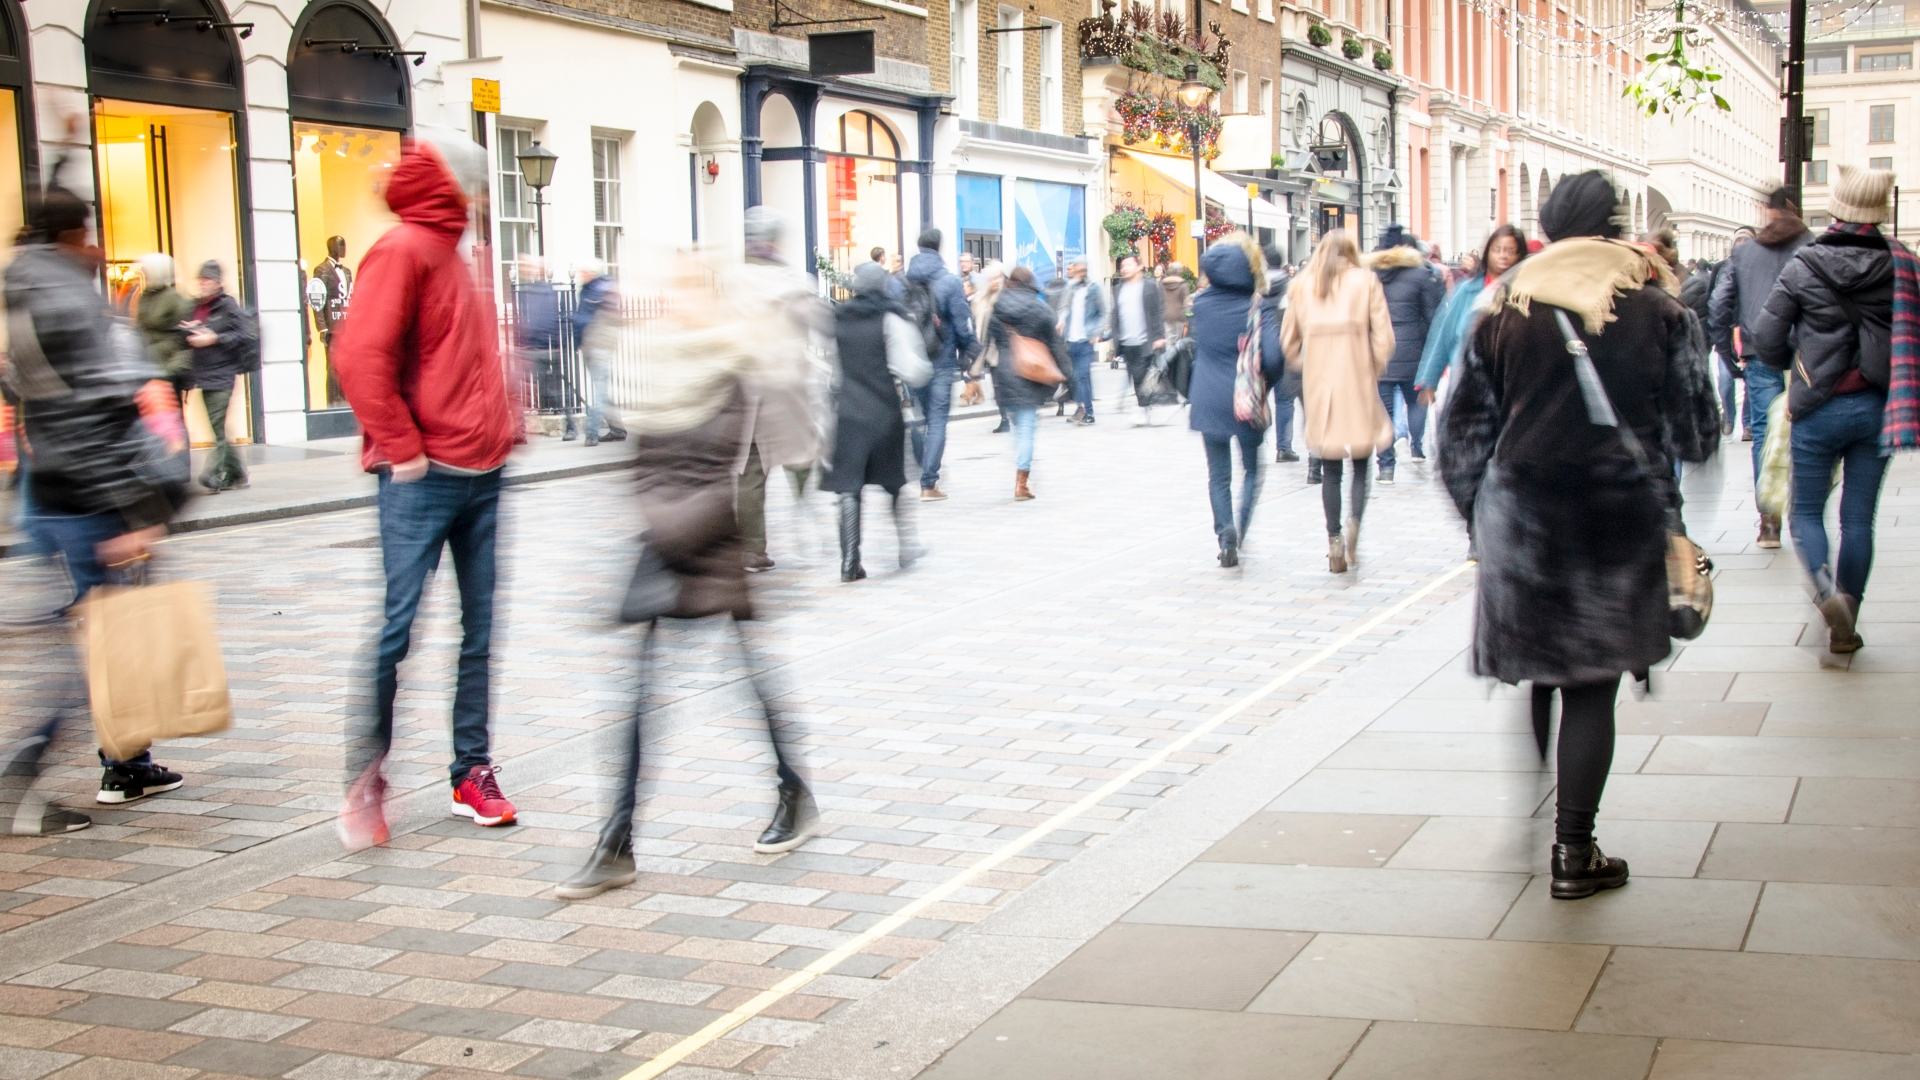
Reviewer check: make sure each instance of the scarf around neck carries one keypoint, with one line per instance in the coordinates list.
(1900, 424)
(1584, 275)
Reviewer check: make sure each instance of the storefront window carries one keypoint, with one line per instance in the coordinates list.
(339, 174)
(168, 185)
(11, 196)
(1049, 226)
(863, 191)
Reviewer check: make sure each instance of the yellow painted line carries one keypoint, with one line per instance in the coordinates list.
(798, 981)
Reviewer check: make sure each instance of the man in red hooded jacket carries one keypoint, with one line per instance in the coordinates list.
(419, 365)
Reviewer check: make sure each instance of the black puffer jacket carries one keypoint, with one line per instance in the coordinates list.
(1415, 290)
(236, 353)
(1022, 310)
(1804, 316)
(76, 372)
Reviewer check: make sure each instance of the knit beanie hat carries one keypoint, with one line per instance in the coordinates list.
(210, 271)
(1863, 196)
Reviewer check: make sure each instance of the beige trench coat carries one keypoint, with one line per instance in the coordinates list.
(1341, 345)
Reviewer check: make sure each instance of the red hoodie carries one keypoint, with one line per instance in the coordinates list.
(418, 359)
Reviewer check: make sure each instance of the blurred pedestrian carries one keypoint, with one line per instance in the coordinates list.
(932, 288)
(1338, 333)
(1453, 325)
(1739, 295)
(986, 363)
(1176, 292)
(537, 334)
(596, 333)
(1022, 327)
(715, 354)
(970, 278)
(1139, 328)
(1232, 306)
(419, 366)
(226, 349)
(1082, 315)
(783, 431)
(1286, 389)
(101, 484)
(875, 345)
(1845, 307)
(1415, 289)
(161, 314)
(1569, 507)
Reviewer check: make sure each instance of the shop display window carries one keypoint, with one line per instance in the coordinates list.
(168, 185)
(339, 177)
(863, 191)
(12, 197)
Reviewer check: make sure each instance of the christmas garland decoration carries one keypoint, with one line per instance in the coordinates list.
(1156, 44)
(1166, 123)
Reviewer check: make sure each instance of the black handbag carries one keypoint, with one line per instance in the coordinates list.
(653, 592)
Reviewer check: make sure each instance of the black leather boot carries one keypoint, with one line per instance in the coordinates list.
(792, 823)
(1229, 549)
(1583, 869)
(850, 568)
(911, 549)
(1313, 469)
(608, 867)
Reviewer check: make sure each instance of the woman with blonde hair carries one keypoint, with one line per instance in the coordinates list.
(1222, 312)
(1339, 334)
(993, 278)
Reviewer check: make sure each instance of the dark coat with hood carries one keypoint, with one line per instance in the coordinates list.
(1804, 317)
(1219, 318)
(1746, 279)
(236, 348)
(957, 343)
(1415, 290)
(76, 372)
(1022, 310)
(1570, 530)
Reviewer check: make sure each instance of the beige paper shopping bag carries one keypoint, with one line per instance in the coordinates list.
(153, 665)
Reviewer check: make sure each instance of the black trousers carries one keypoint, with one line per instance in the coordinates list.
(1585, 755)
(1330, 477)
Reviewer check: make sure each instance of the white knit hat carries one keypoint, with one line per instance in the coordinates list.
(1862, 196)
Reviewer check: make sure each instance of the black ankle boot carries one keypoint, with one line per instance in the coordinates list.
(1583, 869)
(792, 822)
(911, 549)
(1313, 470)
(608, 867)
(1229, 550)
(850, 568)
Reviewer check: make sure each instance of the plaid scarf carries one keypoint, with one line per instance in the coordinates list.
(1900, 429)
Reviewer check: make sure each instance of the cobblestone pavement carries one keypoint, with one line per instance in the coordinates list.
(1043, 650)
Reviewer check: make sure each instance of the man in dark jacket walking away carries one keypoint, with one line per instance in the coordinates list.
(101, 486)
(1415, 290)
(419, 364)
(1138, 328)
(1739, 296)
(1830, 323)
(933, 291)
(1286, 389)
(226, 349)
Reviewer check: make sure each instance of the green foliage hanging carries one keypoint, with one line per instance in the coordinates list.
(1675, 81)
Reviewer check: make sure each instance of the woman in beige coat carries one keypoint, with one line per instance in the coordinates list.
(1339, 334)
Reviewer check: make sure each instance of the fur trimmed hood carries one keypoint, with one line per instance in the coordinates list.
(1395, 258)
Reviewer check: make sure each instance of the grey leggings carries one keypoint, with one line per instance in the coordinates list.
(1330, 470)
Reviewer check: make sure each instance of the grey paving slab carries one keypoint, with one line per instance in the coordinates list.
(1841, 1004)
(1315, 839)
(1688, 1059)
(1697, 798)
(1772, 755)
(1436, 980)
(1839, 718)
(1399, 1051)
(1887, 803)
(1638, 717)
(1316, 898)
(1523, 845)
(1880, 688)
(1503, 715)
(1418, 793)
(1668, 912)
(1846, 855)
(1471, 752)
(1059, 1040)
(1874, 921)
(1181, 967)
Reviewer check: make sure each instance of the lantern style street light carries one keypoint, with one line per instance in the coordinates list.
(536, 168)
(1194, 94)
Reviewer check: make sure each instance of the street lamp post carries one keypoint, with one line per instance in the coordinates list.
(1193, 94)
(536, 168)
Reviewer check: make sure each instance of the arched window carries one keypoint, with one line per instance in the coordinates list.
(864, 208)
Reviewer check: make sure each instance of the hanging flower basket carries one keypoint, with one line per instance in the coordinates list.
(1164, 122)
(1217, 224)
(1162, 228)
(1125, 228)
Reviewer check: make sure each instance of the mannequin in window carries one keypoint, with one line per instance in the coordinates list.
(329, 290)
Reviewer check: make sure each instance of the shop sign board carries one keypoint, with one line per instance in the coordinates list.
(486, 95)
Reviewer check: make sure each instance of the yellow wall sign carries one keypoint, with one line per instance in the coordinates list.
(486, 95)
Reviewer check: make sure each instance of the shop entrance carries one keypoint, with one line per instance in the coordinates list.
(863, 191)
(168, 185)
(1328, 217)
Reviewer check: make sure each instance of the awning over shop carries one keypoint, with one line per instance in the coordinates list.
(1216, 189)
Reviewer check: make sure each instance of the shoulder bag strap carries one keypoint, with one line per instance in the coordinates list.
(1599, 406)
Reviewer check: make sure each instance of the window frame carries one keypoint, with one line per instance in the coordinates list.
(1053, 77)
(1822, 126)
(1862, 61)
(1816, 171)
(965, 70)
(1875, 135)
(1010, 69)
(608, 229)
(512, 139)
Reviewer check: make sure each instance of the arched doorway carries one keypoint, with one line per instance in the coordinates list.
(710, 172)
(864, 204)
(1526, 215)
(169, 134)
(1339, 154)
(348, 92)
(1659, 210)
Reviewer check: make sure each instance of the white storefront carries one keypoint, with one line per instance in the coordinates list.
(1024, 197)
(248, 134)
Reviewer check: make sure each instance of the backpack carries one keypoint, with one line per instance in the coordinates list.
(1873, 336)
(925, 314)
(248, 348)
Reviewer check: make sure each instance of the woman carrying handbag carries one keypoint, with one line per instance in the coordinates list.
(1032, 362)
(1236, 342)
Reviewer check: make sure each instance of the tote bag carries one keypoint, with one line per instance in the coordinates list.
(154, 669)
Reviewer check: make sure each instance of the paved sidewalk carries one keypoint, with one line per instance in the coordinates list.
(1386, 915)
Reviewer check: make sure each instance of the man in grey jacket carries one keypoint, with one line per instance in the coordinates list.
(1739, 296)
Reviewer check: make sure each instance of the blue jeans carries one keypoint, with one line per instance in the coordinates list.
(1845, 430)
(600, 378)
(1416, 417)
(1729, 393)
(930, 435)
(1282, 416)
(1763, 385)
(1220, 483)
(1081, 353)
(1024, 418)
(417, 520)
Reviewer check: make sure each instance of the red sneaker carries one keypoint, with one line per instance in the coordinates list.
(363, 819)
(478, 797)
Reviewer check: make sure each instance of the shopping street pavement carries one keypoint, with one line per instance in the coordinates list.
(1094, 808)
